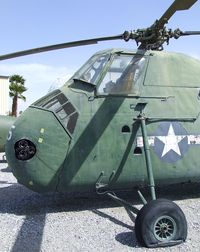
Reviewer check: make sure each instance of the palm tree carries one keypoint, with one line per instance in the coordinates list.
(16, 89)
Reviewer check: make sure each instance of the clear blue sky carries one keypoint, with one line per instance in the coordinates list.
(31, 23)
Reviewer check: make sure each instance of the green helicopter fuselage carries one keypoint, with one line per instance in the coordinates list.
(87, 134)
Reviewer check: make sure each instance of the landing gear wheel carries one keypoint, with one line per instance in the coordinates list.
(160, 223)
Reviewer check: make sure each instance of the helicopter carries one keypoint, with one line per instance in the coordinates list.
(127, 119)
(5, 124)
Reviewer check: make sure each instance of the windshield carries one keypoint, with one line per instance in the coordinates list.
(92, 70)
(123, 75)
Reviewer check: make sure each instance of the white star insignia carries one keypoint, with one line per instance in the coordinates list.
(170, 142)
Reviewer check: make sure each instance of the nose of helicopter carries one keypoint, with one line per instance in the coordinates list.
(36, 149)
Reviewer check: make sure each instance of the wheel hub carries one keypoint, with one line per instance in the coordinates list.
(164, 228)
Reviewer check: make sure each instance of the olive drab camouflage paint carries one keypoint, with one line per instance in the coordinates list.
(87, 132)
(125, 119)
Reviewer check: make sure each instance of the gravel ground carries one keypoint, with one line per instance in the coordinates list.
(58, 222)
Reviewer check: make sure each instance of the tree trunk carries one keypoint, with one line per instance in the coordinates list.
(14, 106)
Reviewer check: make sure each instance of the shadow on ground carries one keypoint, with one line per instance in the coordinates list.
(16, 199)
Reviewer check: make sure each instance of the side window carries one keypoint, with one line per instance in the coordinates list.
(123, 74)
(117, 67)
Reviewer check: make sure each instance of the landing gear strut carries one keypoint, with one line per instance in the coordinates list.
(160, 222)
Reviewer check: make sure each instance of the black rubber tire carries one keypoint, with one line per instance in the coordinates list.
(150, 217)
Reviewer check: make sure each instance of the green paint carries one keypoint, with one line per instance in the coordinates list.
(74, 150)
(5, 124)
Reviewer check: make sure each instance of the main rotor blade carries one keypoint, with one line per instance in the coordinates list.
(59, 46)
(188, 33)
(176, 6)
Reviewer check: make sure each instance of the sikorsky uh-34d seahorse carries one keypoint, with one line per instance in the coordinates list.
(126, 119)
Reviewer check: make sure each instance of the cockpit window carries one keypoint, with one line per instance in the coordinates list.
(62, 108)
(91, 71)
(123, 75)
